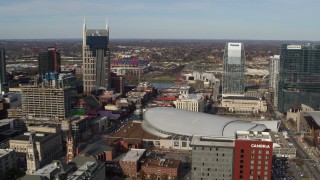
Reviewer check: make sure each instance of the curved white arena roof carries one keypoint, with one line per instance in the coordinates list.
(165, 122)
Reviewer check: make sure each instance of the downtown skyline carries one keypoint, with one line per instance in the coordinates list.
(142, 19)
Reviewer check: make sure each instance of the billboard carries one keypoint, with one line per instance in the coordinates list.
(293, 46)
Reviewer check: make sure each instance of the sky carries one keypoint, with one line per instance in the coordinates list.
(162, 19)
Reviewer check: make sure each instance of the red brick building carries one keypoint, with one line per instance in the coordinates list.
(131, 162)
(158, 168)
(252, 159)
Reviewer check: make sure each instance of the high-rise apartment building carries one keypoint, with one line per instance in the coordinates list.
(233, 70)
(53, 99)
(299, 77)
(49, 61)
(2, 68)
(274, 79)
(96, 59)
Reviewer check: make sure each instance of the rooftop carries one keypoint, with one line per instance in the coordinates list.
(212, 141)
(96, 148)
(165, 122)
(157, 162)
(279, 139)
(133, 155)
(250, 135)
(240, 98)
(4, 152)
(133, 130)
(38, 136)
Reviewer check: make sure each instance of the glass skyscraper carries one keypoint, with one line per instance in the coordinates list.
(233, 70)
(299, 77)
(2, 68)
(96, 59)
(49, 61)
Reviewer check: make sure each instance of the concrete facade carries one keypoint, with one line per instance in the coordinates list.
(244, 104)
(212, 158)
(49, 147)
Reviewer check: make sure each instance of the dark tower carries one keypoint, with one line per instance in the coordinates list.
(49, 61)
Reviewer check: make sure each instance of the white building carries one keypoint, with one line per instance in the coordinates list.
(238, 104)
(190, 102)
(274, 78)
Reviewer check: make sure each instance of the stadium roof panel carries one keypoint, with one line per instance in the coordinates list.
(166, 122)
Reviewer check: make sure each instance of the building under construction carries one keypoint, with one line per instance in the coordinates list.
(52, 99)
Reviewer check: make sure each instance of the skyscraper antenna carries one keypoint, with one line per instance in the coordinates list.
(84, 23)
(107, 24)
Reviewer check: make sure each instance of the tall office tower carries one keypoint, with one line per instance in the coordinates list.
(53, 99)
(96, 59)
(274, 79)
(233, 70)
(49, 61)
(212, 158)
(299, 78)
(2, 68)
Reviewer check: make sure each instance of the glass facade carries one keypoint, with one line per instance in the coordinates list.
(233, 69)
(299, 81)
(46, 62)
(2, 68)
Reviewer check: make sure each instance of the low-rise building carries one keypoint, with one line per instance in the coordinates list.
(88, 168)
(241, 104)
(49, 145)
(159, 168)
(281, 146)
(190, 102)
(131, 162)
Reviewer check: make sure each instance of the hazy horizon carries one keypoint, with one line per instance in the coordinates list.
(283, 20)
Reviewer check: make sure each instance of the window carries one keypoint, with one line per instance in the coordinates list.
(252, 161)
(184, 144)
(260, 151)
(242, 150)
(267, 152)
(176, 144)
(241, 166)
(241, 161)
(266, 168)
(242, 156)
